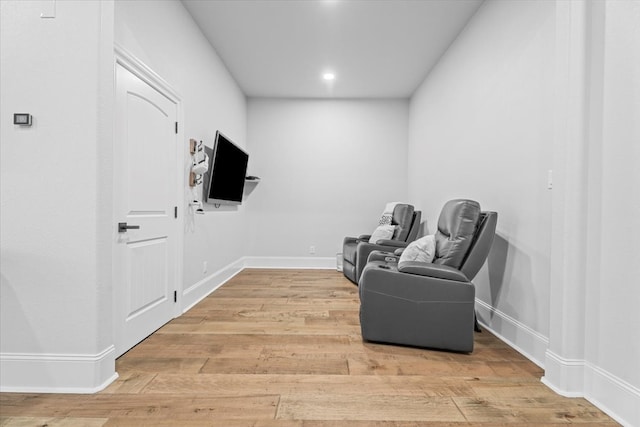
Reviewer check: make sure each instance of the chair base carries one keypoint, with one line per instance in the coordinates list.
(349, 271)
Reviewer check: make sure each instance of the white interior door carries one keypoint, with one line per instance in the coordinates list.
(145, 196)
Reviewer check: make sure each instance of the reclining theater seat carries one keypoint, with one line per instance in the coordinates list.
(429, 304)
(355, 250)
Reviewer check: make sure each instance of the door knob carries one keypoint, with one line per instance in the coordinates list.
(123, 227)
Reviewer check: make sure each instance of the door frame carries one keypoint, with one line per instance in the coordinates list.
(130, 62)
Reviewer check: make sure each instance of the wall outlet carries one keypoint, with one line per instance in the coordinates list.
(312, 250)
(204, 267)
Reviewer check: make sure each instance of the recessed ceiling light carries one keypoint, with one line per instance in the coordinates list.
(328, 76)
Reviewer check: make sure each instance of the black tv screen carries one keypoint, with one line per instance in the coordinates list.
(227, 171)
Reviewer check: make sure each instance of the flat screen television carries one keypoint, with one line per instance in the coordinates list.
(224, 184)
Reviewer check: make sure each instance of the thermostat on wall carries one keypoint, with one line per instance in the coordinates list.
(22, 119)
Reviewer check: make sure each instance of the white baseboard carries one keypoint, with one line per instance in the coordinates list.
(199, 290)
(323, 263)
(57, 373)
(579, 378)
(529, 343)
(619, 399)
(566, 377)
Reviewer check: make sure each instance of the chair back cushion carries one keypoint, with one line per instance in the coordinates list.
(415, 226)
(402, 219)
(456, 227)
(481, 245)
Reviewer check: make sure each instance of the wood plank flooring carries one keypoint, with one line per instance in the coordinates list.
(283, 348)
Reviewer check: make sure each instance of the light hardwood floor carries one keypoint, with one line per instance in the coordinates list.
(283, 348)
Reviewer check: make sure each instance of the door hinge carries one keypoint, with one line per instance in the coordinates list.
(175, 212)
(176, 127)
(175, 296)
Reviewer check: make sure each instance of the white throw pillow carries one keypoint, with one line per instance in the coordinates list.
(387, 215)
(422, 250)
(382, 232)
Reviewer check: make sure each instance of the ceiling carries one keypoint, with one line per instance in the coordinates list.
(375, 48)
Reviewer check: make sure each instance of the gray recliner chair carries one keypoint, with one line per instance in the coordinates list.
(429, 304)
(356, 250)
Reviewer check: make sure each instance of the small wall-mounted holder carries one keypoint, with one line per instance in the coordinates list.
(198, 167)
(193, 146)
(197, 207)
(22, 119)
(193, 180)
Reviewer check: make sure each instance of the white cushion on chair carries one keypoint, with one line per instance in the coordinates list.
(422, 250)
(382, 232)
(387, 215)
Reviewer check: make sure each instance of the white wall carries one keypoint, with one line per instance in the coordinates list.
(56, 178)
(594, 342)
(612, 329)
(527, 87)
(327, 167)
(616, 292)
(55, 259)
(163, 35)
(481, 128)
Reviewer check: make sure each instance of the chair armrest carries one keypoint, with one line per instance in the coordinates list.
(363, 251)
(382, 256)
(398, 252)
(393, 243)
(432, 270)
(354, 240)
(385, 279)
